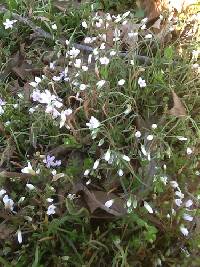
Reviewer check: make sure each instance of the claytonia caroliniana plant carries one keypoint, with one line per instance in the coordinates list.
(92, 135)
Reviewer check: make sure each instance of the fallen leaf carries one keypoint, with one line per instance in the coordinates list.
(97, 199)
(178, 109)
(5, 232)
(7, 153)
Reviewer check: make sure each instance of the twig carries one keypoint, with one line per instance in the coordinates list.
(40, 32)
(6, 174)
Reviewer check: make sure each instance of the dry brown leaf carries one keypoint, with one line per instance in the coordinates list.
(97, 199)
(157, 24)
(5, 232)
(8, 152)
(153, 8)
(178, 109)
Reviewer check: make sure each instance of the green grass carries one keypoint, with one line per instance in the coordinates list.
(77, 235)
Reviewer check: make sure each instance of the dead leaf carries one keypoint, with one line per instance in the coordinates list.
(178, 109)
(97, 199)
(5, 231)
(8, 152)
(157, 24)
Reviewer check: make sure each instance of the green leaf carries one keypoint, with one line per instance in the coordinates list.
(12, 4)
(139, 13)
(71, 142)
(169, 53)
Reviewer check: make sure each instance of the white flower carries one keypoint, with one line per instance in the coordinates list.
(100, 84)
(184, 231)
(181, 138)
(88, 182)
(49, 200)
(86, 172)
(142, 83)
(143, 27)
(28, 169)
(120, 172)
(144, 20)
(150, 137)
(51, 209)
(98, 24)
(88, 40)
(95, 51)
(195, 54)
(36, 82)
(67, 42)
(15, 106)
(126, 14)
(113, 53)
(54, 172)
(90, 59)
(2, 192)
(96, 164)
(9, 23)
(129, 203)
(84, 24)
(82, 87)
(101, 142)
(30, 186)
(179, 194)
(164, 179)
(188, 203)
(148, 36)
(107, 155)
(104, 60)
(1, 110)
(56, 78)
(174, 184)
(8, 202)
(102, 46)
(21, 200)
(93, 123)
(77, 63)
(154, 126)
(144, 152)
(74, 52)
(71, 196)
(7, 123)
(109, 203)
(84, 68)
(19, 236)
(31, 110)
(138, 134)
(178, 202)
(126, 158)
(121, 82)
(128, 110)
(63, 115)
(187, 217)
(189, 151)
(52, 65)
(54, 27)
(148, 207)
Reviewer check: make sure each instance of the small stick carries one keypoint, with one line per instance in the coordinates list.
(6, 174)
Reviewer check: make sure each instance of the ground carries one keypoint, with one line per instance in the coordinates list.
(99, 135)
